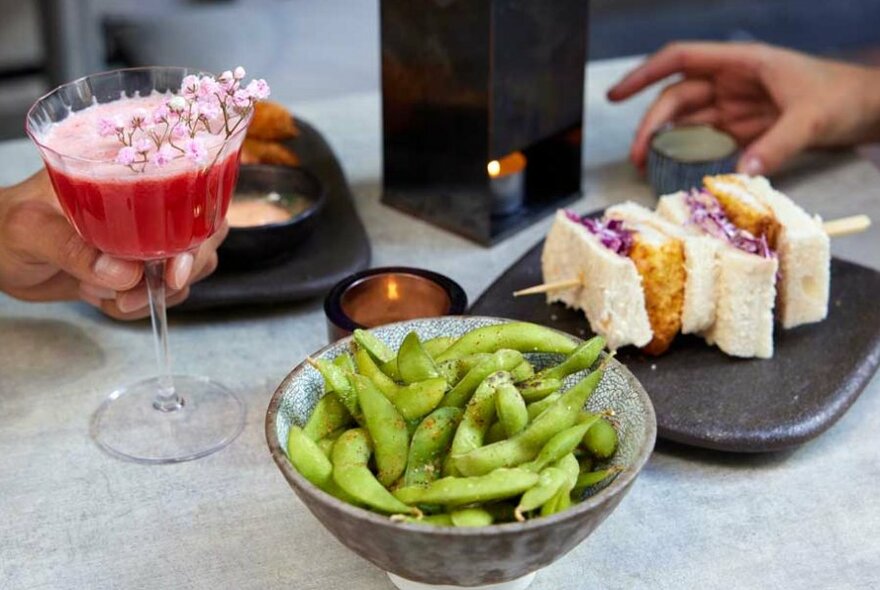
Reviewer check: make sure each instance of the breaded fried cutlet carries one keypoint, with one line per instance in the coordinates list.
(256, 151)
(271, 122)
(661, 264)
(742, 208)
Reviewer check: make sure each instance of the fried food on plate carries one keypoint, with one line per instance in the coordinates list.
(256, 151)
(272, 122)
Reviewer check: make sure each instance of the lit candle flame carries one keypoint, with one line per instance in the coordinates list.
(494, 168)
(392, 292)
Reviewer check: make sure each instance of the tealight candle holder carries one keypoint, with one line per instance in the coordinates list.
(381, 296)
(472, 88)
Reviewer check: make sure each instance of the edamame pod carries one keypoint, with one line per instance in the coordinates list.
(471, 517)
(580, 360)
(418, 399)
(478, 415)
(562, 500)
(550, 481)
(326, 445)
(329, 415)
(413, 363)
(371, 343)
(350, 472)
(336, 381)
(535, 409)
(387, 429)
(534, 390)
(308, 458)
(429, 442)
(591, 478)
(522, 372)
(503, 360)
(367, 367)
(511, 409)
(521, 336)
(495, 433)
(458, 491)
(455, 370)
(562, 443)
(345, 362)
(413, 400)
(435, 346)
(601, 439)
(526, 445)
(432, 519)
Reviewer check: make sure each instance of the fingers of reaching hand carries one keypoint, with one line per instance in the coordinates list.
(684, 96)
(689, 58)
(792, 132)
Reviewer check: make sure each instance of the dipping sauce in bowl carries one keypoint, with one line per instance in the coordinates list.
(252, 209)
(273, 210)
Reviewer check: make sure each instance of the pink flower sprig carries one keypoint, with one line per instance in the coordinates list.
(203, 105)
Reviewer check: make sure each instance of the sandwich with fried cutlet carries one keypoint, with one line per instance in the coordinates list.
(746, 279)
(799, 240)
(632, 287)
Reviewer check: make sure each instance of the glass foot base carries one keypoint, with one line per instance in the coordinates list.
(129, 427)
(517, 584)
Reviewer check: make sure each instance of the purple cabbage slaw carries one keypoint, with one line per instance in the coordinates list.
(610, 233)
(707, 214)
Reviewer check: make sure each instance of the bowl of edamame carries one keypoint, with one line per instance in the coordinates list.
(460, 450)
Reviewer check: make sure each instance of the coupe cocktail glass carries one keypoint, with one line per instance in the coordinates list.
(148, 215)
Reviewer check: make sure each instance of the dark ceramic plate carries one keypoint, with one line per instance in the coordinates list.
(707, 399)
(337, 247)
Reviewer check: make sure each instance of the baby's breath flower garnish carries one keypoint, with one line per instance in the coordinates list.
(204, 105)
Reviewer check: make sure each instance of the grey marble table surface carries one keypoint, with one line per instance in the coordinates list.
(72, 517)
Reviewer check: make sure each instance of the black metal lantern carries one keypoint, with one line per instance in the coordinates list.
(482, 105)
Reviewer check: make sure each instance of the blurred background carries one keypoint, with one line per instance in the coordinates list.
(311, 49)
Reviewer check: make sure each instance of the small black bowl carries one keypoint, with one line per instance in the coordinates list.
(265, 245)
(680, 156)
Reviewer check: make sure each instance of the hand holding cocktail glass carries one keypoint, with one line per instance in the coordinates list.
(42, 258)
(143, 162)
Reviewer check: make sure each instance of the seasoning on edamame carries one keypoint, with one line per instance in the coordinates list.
(430, 441)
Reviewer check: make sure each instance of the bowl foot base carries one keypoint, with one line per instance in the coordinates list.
(517, 584)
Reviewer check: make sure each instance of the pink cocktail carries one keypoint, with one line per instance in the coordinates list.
(144, 162)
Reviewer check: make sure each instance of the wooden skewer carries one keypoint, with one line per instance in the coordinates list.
(845, 226)
(546, 287)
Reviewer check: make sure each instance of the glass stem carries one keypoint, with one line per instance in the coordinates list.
(166, 399)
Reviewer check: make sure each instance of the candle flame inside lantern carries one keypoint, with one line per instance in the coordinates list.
(391, 290)
(512, 163)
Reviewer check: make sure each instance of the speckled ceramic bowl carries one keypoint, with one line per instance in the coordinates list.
(463, 557)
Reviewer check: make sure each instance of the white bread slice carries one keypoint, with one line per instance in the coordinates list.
(701, 268)
(744, 312)
(804, 252)
(745, 290)
(611, 294)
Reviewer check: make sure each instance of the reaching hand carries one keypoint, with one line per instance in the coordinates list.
(42, 258)
(774, 101)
